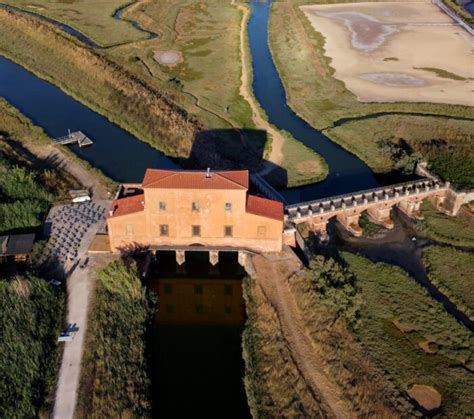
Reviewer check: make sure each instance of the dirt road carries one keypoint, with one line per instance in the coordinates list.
(273, 272)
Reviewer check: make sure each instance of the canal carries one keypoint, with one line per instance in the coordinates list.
(196, 366)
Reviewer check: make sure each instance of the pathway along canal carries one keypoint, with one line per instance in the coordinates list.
(122, 157)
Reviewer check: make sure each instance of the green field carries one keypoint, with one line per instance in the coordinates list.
(92, 18)
(115, 382)
(452, 272)
(444, 143)
(388, 294)
(31, 316)
(458, 231)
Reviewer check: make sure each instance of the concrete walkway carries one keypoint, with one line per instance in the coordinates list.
(80, 286)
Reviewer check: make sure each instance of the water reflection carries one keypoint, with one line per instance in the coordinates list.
(197, 365)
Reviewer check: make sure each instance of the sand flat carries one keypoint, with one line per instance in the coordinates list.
(394, 51)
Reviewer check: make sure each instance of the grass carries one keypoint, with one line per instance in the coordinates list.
(457, 230)
(97, 82)
(93, 19)
(388, 294)
(460, 11)
(115, 382)
(362, 383)
(31, 316)
(272, 381)
(369, 228)
(444, 143)
(306, 72)
(452, 272)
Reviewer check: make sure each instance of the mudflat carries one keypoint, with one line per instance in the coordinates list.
(397, 51)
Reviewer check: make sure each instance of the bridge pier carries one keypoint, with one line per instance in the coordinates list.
(411, 207)
(350, 221)
(381, 216)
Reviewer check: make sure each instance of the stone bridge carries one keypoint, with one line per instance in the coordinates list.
(377, 202)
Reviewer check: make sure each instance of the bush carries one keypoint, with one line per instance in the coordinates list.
(31, 315)
(335, 287)
(23, 200)
(116, 381)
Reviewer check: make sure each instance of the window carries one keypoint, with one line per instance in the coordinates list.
(228, 289)
(228, 206)
(195, 206)
(164, 230)
(228, 310)
(262, 231)
(197, 289)
(169, 308)
(162, 206)
(168, 288)
(129, 229)
(196, 231)
(228, 231)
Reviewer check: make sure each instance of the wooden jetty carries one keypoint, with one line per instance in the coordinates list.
(74, 137)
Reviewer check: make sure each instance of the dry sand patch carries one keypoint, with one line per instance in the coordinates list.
(168, 58)
(397, 51)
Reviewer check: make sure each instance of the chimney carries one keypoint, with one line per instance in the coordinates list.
(208, 173)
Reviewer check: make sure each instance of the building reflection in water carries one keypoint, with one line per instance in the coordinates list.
(197, 365)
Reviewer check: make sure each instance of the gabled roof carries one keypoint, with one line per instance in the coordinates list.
(265, 207)
(18, 244)
(129, 205)
(172, 179)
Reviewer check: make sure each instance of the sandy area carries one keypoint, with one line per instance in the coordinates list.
(394, 51)
(168, 58)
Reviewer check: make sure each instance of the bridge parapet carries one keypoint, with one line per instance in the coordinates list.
(340, 203)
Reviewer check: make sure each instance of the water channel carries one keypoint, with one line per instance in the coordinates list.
(56, 112)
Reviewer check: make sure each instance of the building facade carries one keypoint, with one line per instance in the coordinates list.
(188, 208)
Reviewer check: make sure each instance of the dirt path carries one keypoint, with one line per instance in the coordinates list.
(273, 272)
(65, 162)
(80, 287)
(276, 155)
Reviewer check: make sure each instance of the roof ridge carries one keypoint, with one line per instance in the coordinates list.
(231, 180)
(170, 173)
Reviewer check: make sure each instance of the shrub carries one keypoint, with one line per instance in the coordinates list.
(31, 314)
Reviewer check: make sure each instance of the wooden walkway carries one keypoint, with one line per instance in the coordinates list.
(74, 137)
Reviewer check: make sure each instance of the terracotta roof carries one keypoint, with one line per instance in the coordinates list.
(172, 179)
(265, 207)
(129, 205)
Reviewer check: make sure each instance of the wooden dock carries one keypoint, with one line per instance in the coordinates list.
(77, 137)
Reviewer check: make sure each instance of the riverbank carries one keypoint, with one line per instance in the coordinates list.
(317, 96)
(115, 381)
(97, 82)
(34, 145)
(302, 165)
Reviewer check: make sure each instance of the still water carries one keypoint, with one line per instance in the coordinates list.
(197, 367)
